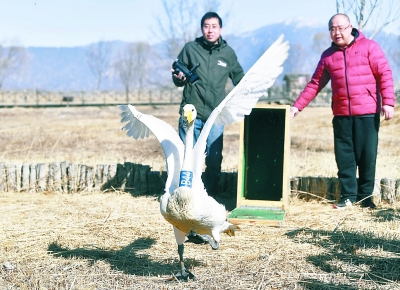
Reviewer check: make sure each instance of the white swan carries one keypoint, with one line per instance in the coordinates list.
(210, 219)
(186, 208)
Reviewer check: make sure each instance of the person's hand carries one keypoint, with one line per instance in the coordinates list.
(387, 112)
(294, 112)
(179, 76)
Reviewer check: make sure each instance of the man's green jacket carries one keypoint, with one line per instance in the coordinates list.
(217, 63)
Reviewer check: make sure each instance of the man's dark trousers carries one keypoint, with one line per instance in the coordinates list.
(356, 146)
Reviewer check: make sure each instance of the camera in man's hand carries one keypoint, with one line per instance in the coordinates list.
(191, 77)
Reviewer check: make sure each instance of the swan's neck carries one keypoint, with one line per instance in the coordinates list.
(186, 174)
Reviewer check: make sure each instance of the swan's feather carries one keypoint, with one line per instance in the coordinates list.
(191, 208)
(139, 125)
(187, 210)
(243, 98)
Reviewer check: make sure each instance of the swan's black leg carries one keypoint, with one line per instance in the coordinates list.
(183, 274)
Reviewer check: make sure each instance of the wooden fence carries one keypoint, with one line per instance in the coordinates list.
(172, 95)
(139, 179)
(386, 190)
(39, 98)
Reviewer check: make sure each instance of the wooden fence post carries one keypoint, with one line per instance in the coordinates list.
(89, 178)
(71, 178)
(376, 193)
(388, 190)
(63, 176)
(56, 169)
(32, 177)
(98, 178)
(11, 175)
(2, 177)
(397, 187)
(156, 184)
(105, 176)
(294, 186)
(41, 176)
(304, 187)
(112, 172)
(25, 177)
(81, 177)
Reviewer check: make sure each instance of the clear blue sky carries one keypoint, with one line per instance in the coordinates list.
(80, 22)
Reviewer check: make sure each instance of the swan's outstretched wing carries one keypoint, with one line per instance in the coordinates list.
(138, 126)
(243, 98)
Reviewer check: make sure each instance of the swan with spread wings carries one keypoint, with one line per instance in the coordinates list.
(185, 163)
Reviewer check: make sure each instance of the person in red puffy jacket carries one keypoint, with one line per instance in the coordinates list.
(362, 89)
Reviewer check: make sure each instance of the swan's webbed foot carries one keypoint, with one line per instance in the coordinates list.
(184, 274)
(195, 238)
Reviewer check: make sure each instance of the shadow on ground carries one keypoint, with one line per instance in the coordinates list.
(388, 214)
(125, 259)
(359, 256)
(313, 284)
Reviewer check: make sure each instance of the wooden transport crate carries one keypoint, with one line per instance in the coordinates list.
(263, 179)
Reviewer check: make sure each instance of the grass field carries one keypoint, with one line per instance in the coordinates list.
(119, 241)
(93, 136)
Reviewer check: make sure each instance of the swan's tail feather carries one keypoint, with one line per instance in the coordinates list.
(230, 231)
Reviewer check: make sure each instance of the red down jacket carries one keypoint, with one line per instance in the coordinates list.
(360, 75)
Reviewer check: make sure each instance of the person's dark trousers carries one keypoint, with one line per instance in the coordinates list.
(213, 152)
(212, 172)
(356, 144)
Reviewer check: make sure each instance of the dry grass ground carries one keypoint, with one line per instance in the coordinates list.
(116, 241)
(93, 136)
(119, 241)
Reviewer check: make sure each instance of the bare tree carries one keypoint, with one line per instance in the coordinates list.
(178, 24)
(143, 52)
(12, 60)
(396, 53)
(181, 22)
(320, 42)
(131, 66)
(296, 58)
(98, 60)
(374, 14)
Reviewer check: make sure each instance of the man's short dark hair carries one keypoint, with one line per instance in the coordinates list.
(209, 15)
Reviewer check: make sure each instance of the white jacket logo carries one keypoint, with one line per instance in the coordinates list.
(221, 63)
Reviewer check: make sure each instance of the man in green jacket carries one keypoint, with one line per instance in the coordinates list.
(217, 61)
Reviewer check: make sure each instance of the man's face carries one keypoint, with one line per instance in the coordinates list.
(211, 30)
(340, 30)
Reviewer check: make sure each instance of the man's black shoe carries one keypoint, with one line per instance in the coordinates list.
(343, 204)
(368, 204)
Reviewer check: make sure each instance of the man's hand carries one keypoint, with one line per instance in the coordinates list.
(294, 112)
(387, 111)
(179, 76)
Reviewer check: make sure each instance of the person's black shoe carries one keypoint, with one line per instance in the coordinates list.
(368, 204)
(343, 204)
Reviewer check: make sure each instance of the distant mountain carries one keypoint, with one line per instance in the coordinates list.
(65, 69)
(303, 55)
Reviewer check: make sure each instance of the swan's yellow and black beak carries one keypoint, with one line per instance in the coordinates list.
(188, 115)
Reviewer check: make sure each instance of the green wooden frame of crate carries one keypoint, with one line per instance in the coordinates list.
(263, 178)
